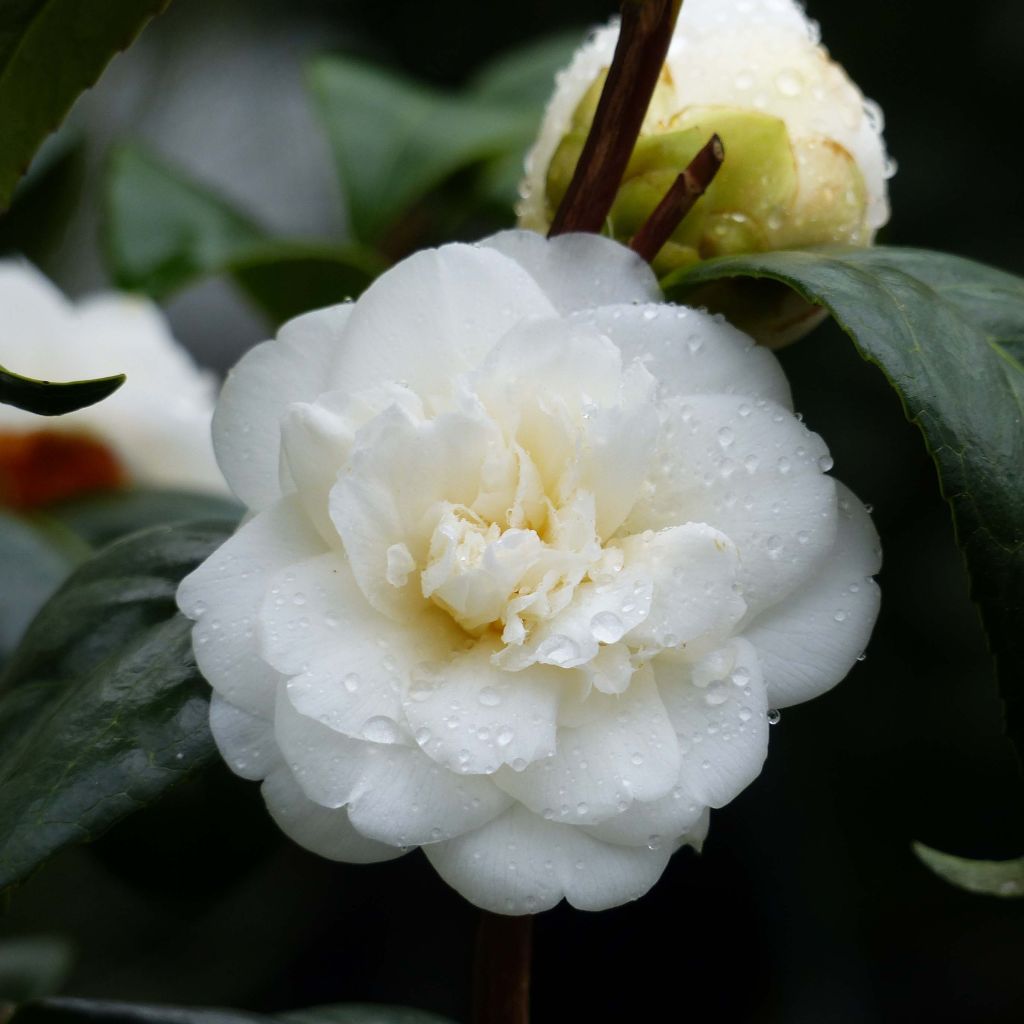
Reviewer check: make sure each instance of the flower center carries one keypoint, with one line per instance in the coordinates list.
(509, 578)
(44, 466)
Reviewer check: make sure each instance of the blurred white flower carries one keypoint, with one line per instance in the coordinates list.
(530, 556)
(805, 162)
(155, 430)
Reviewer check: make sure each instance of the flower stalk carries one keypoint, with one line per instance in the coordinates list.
(640, 52)
(678, 200)
(501, 988)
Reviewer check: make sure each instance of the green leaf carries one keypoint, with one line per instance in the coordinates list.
(102, 518)
(363, 1013)
(395, 139)
(102, 707)
(525, 76)
(32, 967)
(35, 563)
(989, 877)
(101, 1011)
(163, 231)
(81, 1011)
(46, 398)
(50, 51)
(946, 332)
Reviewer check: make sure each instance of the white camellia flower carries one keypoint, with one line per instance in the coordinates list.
(530, 555)
(154, 430)
(805, 161)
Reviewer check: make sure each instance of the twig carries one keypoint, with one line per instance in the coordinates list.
(501, 990)
(640, 52)
(678, 200)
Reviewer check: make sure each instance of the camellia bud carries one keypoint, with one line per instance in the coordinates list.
(805, 161)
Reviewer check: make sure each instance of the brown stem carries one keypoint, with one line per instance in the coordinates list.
(646, 31)
(678, 200)
(501, 990)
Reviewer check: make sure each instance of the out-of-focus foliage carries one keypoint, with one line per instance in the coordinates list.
(989, 877)
(82, 1011)
(164, 231)
(31, 968)
(49, 53)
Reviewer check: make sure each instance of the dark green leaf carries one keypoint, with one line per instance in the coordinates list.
(45, 398)
(989, 877)
(525, 76)
(98, 1011)
(164, 231)
(395, 139)
(35, 563)
(363, 1013)
(101, 706)
(32, 967)
(102, 518)
(50, 51)
(289, 278)
(945, 331)
(81, 1011)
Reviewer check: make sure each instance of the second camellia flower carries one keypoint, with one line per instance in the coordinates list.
(531, 555)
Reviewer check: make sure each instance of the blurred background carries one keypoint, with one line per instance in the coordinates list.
(807, 904)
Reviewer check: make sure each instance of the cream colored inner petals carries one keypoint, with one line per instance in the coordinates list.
(545, 449)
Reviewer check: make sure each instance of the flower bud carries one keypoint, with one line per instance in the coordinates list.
(805, 163)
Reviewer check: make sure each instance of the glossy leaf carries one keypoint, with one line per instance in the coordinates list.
(83, 1011)
(163, 231)
(989, 877)
(35, 563)
(363, 1013)
(47, 398)
(100, 519)
(947, 333)
(395, 139)
(50, 51)
(101, 706)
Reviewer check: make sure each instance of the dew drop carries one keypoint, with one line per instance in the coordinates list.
(607, 628)
(381, 730)
(505, 736)
(774, 717)
(489, 697)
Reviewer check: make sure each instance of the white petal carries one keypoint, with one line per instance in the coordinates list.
(257, 393)
(578, 271)
(245, 741)
(409, 800)
(808, 642)
(689, 351)
(433, 316)
(224, 596)
(693, 569)
(619, 748)
(349, 664)
(521, 864)
(753, 471)
(322, 830)
(472, 717)
(656, 822)
(719, 710)
(330, 768)
(400, 469)
(394, 794)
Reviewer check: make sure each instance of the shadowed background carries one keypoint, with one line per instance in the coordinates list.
(807, 904)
